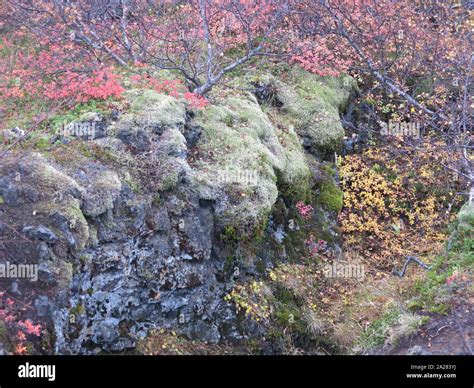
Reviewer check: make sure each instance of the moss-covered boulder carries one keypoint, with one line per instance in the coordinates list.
(101, 194)
(153, 110)
(311, 104)
(243, 159)
(58, 202)
(146, 115)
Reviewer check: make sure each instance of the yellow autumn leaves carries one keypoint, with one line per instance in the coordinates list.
(395, 201)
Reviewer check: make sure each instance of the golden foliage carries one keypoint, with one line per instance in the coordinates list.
(396, 201)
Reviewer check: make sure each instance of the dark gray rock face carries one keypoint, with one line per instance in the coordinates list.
(40, 232)
(114, 263)
(8, 191)
(157, 278)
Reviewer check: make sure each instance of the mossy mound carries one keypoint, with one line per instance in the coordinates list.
(42, 196)
(152, 124)
(149, 111)
(160, 108)
(243, 159)
(310, 104)
(102, 193)
(59, 197)
(331, 196)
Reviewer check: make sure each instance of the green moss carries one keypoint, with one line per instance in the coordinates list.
(252, 161)
(246, 157)
(260, 228)
(50, 181)
(48, 176)
(149, 106)
(283, 295)
(132, 183)
(299, 191)
(84, 149)
(228, 120)
(157, 199)
(77, 221)
(433, 293)
(295, 243)
(230, 264)
(241, 138)
(43, 143)
(288, 315)
(170, 181)
(80, 112)
(296, 172)
(102, 194)
(260, 266)
(331, 196)
(310, 104)
(329, 170)
(77, 310)
(3, 331)
(332, 90)
(229, 236)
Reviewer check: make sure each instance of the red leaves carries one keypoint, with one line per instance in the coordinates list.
(304, 210)
(21, 336)
(170, 87)
(20, 349)
(30, 328)
(100, 85)
(53, 72)
(195, 100)
(22, 328)
(320, 56)
(315, 246)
